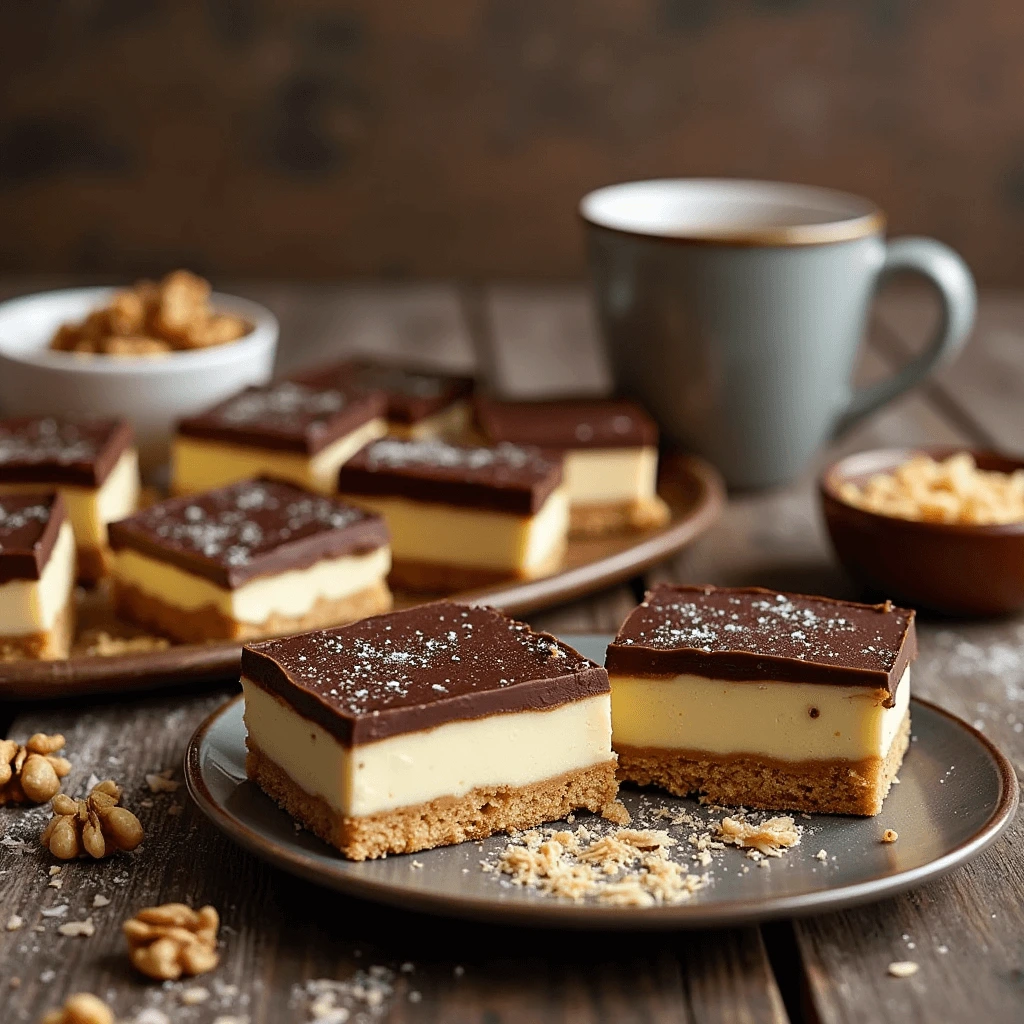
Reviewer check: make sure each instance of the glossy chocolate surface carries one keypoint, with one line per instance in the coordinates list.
(285, 416)
(250, 529)
(411, 394)
(755, 634)
(29, 524)
(420, 668)
(505, 478)
(48, 450)
(567, 423)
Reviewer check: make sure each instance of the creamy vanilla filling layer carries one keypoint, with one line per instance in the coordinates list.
(778, 720)
(423, 531)
(201, 465)
(91, 508)
(602, 476)
(32, 606)
(448, 423)
(292, 593)
(513, 749)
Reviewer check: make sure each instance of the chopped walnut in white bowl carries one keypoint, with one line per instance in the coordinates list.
(151, 389)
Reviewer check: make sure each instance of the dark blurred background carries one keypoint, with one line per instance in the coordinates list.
(305, 139)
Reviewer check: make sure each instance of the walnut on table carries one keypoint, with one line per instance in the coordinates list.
(30, 772)
(81, 1008)
(168, 941)
(94, 827)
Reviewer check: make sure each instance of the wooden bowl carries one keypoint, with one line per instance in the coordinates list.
(956, 570)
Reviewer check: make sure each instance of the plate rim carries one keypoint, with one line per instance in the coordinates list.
(576, 916)
(190, 664)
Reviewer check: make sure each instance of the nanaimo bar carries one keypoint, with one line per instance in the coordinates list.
(37, 577)
(286, 430)
(426, 727)
(92, 464)
(610, 448)
(459, 516)
(420, 403)
(763, 699)
(257, 558)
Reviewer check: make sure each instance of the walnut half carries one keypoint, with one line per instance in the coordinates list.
(168, 941)
(29, 772)
(81, 1008)
(95, 826)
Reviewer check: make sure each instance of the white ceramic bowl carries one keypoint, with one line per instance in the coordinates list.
(151, 392)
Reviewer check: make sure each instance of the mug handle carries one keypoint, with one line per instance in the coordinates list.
(952, 279)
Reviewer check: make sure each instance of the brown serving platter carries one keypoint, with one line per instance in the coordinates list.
(956, 570)
(692, 488)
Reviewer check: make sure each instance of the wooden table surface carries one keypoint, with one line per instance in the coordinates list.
(966, 931)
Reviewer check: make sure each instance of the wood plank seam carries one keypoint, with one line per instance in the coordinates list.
(895, 349)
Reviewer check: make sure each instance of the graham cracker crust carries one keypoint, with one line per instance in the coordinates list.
(93, 564)
(829, 787)
(441, 822)
(618, 517)
(209, 623)
(51, 645)
(437, 578)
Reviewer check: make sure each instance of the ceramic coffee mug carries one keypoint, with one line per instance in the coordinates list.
(734, 311)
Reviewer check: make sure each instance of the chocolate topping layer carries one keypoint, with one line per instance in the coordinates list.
(285, 416)
(754, 634)
(47, 450)
(29, 524)
(506, 478)
(411, 394)
(250, 529)
(567, 423)
(420, 668)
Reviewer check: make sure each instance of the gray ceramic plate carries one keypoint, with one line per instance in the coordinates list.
(957, 793)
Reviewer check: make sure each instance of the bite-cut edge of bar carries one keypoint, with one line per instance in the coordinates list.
(443, 821)
(830, 787)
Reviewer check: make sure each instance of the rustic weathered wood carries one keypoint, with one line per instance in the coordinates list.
(271, 948)
(321, 323)
(546, 342)
(280, 932)
(965, 930)
(331, 139)
(967, 957)
(777, 539)
(983, 390)
(542, 342)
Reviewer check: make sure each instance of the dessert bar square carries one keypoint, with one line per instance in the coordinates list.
(426, 727)
(610, 451)
(257, 558)
(92, 464)
(286, 430)
(752, 697)
(462, 516)
(37, 577)
(420, 403)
